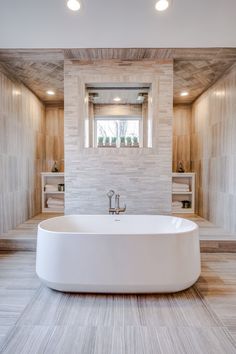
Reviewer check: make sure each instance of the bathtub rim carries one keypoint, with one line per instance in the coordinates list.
(194, 228)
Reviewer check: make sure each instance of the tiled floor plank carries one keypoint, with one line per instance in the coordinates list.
(35, 319)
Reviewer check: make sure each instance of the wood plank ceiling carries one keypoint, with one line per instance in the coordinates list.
(195, 70)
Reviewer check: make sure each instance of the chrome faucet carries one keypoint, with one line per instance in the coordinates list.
(110, 195)
(117, 210)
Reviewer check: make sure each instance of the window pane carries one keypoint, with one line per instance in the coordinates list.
(109, 128)
(129, 128)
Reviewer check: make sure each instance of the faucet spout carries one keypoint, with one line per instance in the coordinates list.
(117, 201)
(118, 209)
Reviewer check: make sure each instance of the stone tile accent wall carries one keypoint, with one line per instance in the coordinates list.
(213, 152)
(141, 176)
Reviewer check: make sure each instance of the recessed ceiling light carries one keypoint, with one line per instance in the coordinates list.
(16, 93)
(162, 5)
(50, 92)
(73, 5)
(184, 93)
(117, 99)
(220, 93)
(140, 97)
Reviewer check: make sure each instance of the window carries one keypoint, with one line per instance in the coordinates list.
(117, 131)
(118, 114)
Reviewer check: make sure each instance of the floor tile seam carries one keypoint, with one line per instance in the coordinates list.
(209, 308)
(10, 334)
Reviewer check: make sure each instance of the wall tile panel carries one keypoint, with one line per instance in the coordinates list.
(22, 118)
(141, 176)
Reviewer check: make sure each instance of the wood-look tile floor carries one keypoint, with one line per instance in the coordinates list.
(36, 320)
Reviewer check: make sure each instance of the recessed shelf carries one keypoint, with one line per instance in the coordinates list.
(187, 179)
(52, 178)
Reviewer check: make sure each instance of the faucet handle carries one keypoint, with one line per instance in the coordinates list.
(110, 193)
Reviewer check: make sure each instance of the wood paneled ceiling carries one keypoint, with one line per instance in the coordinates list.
(40, 77)
(196, 76)
(195, 70)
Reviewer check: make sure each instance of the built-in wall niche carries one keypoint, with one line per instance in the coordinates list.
(118, 115)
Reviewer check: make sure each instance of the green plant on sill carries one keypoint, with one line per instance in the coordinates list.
(122, 140)
(113, 140)
(100, 140)
(135, 140)
(128, 140)
(107, 140)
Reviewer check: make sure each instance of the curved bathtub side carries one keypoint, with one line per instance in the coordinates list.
(118, 263)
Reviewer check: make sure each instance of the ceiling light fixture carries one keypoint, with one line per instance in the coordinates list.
(162, 5)
(73, 5)
(93, 96)
(220, 93)
(16, 93)
(50, 93)
(184, 93)
(117, 99)
(141, 97)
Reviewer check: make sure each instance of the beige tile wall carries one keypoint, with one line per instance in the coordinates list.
(22, 126)
(181, 136)
(213, 152)
(54, 137)
(142, 176)
(211, 144)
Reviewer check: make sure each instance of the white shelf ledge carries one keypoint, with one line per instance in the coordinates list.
(182, 192)
(183, 211)
(52, 174)
(58, 192)
(54, 210)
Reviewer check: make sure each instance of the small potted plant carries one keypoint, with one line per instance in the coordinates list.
(107, 141)
(100, 141)
(135, 141)
(113, 141)
(128, 141)
(122, 141)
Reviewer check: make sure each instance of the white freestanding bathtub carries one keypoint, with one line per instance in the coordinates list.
(118, 253)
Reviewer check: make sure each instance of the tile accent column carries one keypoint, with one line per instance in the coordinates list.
(142, 176)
